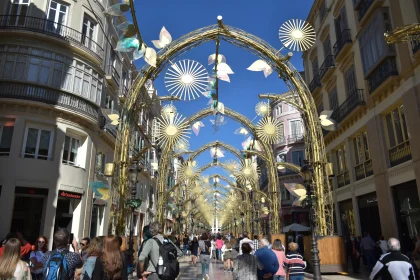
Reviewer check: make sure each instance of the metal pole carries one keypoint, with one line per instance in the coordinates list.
(314, 243)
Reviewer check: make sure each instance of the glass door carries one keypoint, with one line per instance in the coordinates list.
(57, 17)
(88, 32)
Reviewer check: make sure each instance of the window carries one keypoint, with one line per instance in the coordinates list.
(279, 110)
(333, 99)
(322, 11)
(327, 47)
(88, 32)
(39, 70)
(341, 24)
(296, 128)
(372, 42)
(350, 82)
(57, 17)
(297, 157)
(38, 143)
(6, 133)
(396, 127)
(341, 159)
(70, 150)
(361, 148)
(315, 67)
(100, 163)
(18, 9)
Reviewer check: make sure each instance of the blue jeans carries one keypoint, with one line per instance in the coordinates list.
(185, 249)
(219, 254)
(205, 264)
(296, 277)
(278, 277)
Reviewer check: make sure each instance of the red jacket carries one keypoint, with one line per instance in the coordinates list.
(25, 249)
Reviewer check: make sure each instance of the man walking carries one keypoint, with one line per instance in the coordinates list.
(245, 239)
(368, 246)
(84, 245)
(268, 259)
(393, 265)
(256, 243)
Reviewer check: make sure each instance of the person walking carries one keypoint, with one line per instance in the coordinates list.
(353, 250)
(204, 251)
(84, 245)
(61, 239)
(294, 263)
(368, 249)
(393, 265)
(383, 245)
(111, 264)
(235, 251)
(41, 247)
(11, 266)
(194, 251)
(247, 265)
(93, 252)
(227, 256)
(268, 260)
(219, 244)
(244, 240)
(256, 243)
(185, 243)
(278, 250)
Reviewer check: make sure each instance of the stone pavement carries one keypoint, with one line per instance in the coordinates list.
(190, 272)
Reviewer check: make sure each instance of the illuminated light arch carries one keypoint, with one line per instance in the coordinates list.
(315, 150)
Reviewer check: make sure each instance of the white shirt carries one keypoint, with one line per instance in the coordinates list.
(246, 240)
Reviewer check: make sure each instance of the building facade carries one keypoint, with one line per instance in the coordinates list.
(372, 89)
(59, 79)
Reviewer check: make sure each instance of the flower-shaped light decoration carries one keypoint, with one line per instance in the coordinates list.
(196, 127)
(189, 171)
(297, 35)
(298, 191)
(232, 165)
(326, 122)
(252, 144)
(268, 130)
(262, 109)
(247, 173)
(186, 79)
(216, 152)
(170, 130)
(261, 65)
(168, 110)
(182, 146)
(242, 131)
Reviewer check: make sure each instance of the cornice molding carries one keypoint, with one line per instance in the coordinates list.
(400, 169)
(71, 189)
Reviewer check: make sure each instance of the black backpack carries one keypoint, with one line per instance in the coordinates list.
(168, 252)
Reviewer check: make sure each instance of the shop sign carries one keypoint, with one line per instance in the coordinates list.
(34, 191)
(70, 195)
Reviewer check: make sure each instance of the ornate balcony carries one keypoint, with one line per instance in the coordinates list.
(355, 99)
(363, 170)
(111, 129)
(343, 179)
(343, 39)
(54, 29)
(385, 70)
(294, 138)
(49, 96)
(327, 65)
(400, 153)
(112, 76)
(315, 83)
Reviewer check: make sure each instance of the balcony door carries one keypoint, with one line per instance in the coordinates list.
(18, 11)
(296, 129)
(57, 17)
(351, 84)
(88, 33)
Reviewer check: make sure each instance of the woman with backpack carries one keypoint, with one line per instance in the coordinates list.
(204, 248)
(41, 247)
(10, 264)
(111, 264)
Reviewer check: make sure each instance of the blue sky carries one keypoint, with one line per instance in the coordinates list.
(260, 18)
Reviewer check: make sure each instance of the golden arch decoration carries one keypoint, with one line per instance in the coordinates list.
(315, 150)
(209, 145)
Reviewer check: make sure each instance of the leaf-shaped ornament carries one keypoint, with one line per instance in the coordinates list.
(223, 68)
(224, 77)
(220, 108)
(242, 131)
(117, 9)
(196, 127)
(212, 58)
(261, 65)
(127, 45)
(165, 39)
(115, 119)
(137, 54)
(150, 56)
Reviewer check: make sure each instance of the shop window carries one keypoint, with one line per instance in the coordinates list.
(71, 150)
(398, 142)
(6, 134)
(38, 143)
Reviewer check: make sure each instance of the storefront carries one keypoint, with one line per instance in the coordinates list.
(369, 215)
(67, 202)
(348, 226)
(407, 211)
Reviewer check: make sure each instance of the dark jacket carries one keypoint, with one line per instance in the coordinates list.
(268, 260)
(393, 266)
(99, 271)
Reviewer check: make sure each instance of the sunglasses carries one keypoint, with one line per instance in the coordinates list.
(41, 241)
(82, 244)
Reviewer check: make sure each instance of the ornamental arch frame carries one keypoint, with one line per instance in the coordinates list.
(315, 150)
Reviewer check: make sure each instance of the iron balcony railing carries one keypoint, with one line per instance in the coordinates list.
(124, 91)
(343, 39)
(385, 70)
(293, 138)
(355, 99)
(49, 96)
(114, 73)
(111, 129)
(282, 141)
(363, 170)
(400, 153)
(53, 29)
(343, 179)
(415, 44)
(328, 63)
(316, 82)
(364, 7)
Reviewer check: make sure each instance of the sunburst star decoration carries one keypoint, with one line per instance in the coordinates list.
(232, 164)
(247, 172)
(268, 130)
(189, 171)
(262, 109)
(171, 129)
(186, 79)
(297, 35)
(182, 146)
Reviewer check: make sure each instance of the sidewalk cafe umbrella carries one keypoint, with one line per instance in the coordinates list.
(296, 227)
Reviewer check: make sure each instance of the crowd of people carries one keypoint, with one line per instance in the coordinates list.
(158, 257)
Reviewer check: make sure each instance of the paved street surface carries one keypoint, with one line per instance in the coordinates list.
(190, 272)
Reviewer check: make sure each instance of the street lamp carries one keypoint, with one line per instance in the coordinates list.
(257, 220)
(243, 223)
(307, 172)
(133, 203)
(235, 225)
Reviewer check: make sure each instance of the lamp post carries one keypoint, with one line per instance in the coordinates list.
(307, 173)
(243, 223)
(236, 226)
(133, 203)
(257, 220)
